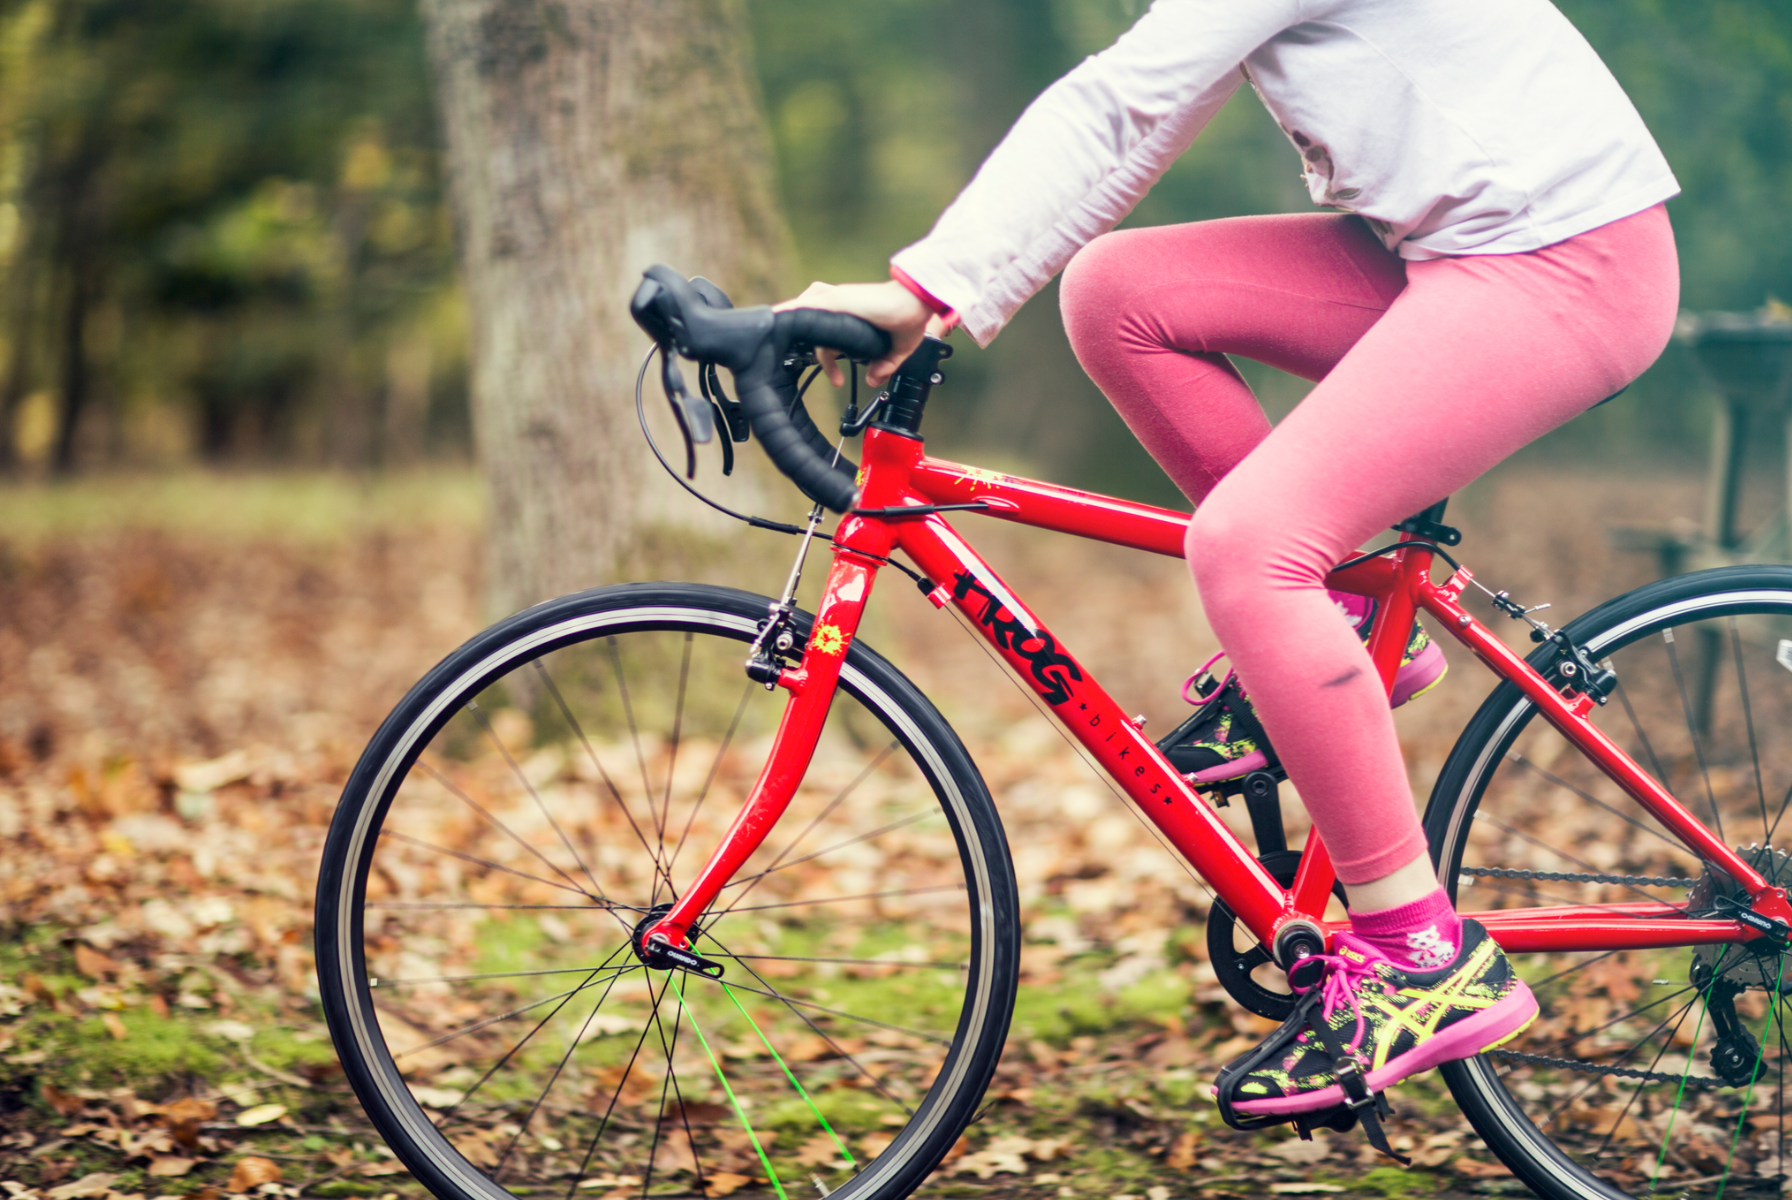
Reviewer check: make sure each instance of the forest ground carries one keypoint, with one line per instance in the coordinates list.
(192, 664)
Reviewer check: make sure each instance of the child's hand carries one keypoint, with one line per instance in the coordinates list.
(887, 305)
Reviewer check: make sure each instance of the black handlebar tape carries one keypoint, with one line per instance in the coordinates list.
(753, 343)
(806, 466)
(787, 386)
(795, 445)
(850, 335)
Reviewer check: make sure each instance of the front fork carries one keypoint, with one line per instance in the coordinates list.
(811, 684)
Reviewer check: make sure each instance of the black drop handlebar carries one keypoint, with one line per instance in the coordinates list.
(693, 318)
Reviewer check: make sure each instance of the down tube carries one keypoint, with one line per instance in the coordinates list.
(1091, 715)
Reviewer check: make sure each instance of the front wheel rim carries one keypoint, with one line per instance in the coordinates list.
(714, 1029)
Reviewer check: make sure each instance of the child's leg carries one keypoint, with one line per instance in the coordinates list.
(1477, 357)
(1152, 314)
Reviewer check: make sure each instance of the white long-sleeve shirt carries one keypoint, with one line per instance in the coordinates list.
(1452, 126)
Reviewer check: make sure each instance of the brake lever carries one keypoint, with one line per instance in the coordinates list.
(734, 418)
(711, 388)
(695, 423)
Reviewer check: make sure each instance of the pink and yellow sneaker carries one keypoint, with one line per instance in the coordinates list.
(1391, 1021)
(1223, 739)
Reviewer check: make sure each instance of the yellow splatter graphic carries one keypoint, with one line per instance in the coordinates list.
(978, 475)
(827, 639)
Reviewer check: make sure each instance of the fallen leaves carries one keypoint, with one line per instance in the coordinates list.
(819, 1150)
(717, 1184)
(1474, 1168)
(1009, 1155)
(252, 1171)
(65, 1104)
(261, 1114)
(93, 964)
(96, 1184)
(1181, 1155)
(168, 1164)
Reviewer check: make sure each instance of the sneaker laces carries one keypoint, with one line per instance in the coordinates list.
(1191, 695)
(1344, 975)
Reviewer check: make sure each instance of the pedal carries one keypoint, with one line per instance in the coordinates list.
(1361, 1105)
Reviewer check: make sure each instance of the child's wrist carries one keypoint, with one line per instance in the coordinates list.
(932, 303)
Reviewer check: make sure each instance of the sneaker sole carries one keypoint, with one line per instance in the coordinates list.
(1424, 672)
(1256, 760)
(1471, 1036)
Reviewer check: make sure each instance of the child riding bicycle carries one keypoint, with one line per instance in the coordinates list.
(1498, 260)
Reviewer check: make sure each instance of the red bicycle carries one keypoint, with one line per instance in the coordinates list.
(602, 908)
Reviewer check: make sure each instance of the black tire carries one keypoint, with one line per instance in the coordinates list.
(544, 756)
(1705, 704)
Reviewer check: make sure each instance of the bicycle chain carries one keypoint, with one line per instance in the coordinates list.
(1577, 877)
(1587, 1068)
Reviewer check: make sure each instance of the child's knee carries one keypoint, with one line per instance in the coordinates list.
(1094, 290)
(1223, 548)
(1236, 551)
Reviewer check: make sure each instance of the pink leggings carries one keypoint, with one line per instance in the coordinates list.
(1429, 373)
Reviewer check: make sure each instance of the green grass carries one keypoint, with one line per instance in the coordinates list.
(299, 505)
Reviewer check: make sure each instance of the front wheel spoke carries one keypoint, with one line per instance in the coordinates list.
(838, 799)
(634, 733)
(438, 905)
(610, 1108)
(794, 1003)
(591, 753)
(523, 1041)
(920, 891)
(534, 794)
(823, 1034)
(852, 962)
(486, 862)
(751, 880)
(670, 1048)
(442, 779)
(553, 1078)
(476, 1026)
(710, 779)
(684, 678)
(416, 979)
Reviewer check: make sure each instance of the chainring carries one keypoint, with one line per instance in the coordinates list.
(1235, 967)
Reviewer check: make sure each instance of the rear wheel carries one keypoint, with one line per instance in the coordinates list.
(1656, 1070)
(549, 785)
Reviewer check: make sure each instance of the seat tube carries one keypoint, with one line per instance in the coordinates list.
(1393, 621)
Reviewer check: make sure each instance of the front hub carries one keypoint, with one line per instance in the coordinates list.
(661, 955)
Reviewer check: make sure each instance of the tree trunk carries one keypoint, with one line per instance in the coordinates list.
(586, 140)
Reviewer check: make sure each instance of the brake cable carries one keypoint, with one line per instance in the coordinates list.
(921, 581)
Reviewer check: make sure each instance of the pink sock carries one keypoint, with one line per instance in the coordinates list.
(1420, 936)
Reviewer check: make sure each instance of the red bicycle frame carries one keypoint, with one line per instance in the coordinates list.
(896, 476)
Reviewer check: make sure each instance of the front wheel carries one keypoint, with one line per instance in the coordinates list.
(1662, 1071)
(529, 804)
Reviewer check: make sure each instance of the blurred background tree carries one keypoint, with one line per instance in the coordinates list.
(224, 237)
(588, 142)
